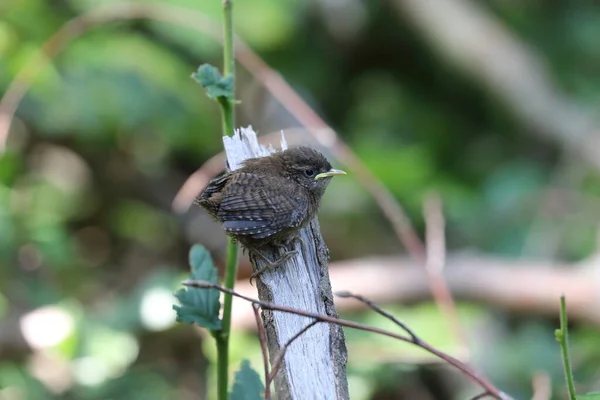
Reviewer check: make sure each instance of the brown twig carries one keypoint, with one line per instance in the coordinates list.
(376, 308)
(262, 338)
(279, 359)
(434, 266)
(464, 368)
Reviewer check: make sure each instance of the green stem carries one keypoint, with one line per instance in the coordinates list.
(227, 117)
(228, 58)
(223, 336)
(228, 123)
(222, 366)
(562, 335)
(227, 111)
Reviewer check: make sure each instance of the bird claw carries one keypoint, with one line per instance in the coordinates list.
(271, 265)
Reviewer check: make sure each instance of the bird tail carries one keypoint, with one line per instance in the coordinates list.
(210, 196)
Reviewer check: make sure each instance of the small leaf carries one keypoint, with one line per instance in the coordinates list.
(247, 384)
(215, 84)
(200, 306)
(588, 396)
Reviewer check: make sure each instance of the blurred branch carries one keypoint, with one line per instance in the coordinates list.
(464, 368)
(542, 386)
(529, 288)
(568, 176)
(434, 266)
(466, 36)
(481, 396)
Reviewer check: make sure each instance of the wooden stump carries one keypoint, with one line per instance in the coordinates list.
(314, 366)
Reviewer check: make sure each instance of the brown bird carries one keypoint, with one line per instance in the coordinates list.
(269, 199)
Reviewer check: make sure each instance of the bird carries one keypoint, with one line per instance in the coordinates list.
(269, 199)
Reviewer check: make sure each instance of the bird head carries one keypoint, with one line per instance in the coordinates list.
(309, 168)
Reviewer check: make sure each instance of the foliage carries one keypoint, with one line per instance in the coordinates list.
(589, 396)
(211, 80)
(247, 384)
(200, 306)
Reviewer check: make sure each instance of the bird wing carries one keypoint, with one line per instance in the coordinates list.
(252, 207)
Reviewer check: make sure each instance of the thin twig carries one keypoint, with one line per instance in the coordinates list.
(464, 368)
(279, 359)
(481, 396)
(262, 338)
(435, 263)
(376, 308)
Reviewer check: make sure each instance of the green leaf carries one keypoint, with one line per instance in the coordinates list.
(247, 384)
(588, 396)
(200, 306)
(215, 84)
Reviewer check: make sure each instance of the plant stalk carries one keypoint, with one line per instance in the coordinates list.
(223, 336)
(562, 335)
(228, 126)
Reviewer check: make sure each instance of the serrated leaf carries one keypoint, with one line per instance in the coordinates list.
(200, 306)
(247, 384)
(216, 85)
(588, 396)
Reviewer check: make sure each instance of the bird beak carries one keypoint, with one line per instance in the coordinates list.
(331, 172)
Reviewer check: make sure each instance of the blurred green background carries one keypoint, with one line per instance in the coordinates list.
(91, 249)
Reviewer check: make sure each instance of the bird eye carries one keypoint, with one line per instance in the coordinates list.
(309, 172)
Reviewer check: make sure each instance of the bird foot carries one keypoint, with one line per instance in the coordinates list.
(271, 265)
